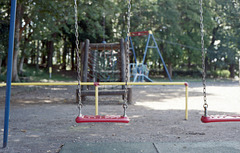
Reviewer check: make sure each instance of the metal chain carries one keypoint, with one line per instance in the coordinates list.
(104, 26)
(78, 60)
(205, 105)
(104, 22)
(125, 105)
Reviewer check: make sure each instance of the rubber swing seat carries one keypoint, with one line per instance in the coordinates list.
(220, 118)
(98, 118)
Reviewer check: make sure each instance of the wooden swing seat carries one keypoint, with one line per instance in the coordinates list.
(220, 118)
(98, 118)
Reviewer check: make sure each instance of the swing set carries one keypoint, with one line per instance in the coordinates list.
(125, 66)
(139, 71)
(124, 119)
(97, 118)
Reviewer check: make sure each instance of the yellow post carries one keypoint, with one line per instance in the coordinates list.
(96, 99)
(186, 100)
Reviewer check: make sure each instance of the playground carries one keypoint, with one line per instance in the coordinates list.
(116, 98)
(42, 119)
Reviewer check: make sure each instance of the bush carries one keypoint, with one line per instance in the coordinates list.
(221, 74)
(185, 73)
(177, 73)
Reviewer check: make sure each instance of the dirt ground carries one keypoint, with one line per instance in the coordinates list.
(42, 118)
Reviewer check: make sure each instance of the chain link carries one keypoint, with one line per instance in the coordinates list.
(125, 105)
(203, 59)
(78, 59)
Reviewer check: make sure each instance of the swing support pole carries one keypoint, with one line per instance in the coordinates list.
(9, 71)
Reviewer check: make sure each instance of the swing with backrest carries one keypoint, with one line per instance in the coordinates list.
(98, 118)
(210, 118)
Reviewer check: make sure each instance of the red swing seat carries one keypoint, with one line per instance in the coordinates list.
(98, 118)
(220, 118)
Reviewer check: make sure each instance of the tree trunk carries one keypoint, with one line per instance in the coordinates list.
(207, 66)
(33, 57)
(231, 69)
(72, 56)
(43, 53)
(189, 60)
(170, 69)
(0, 66)
(65, 50)
(43, 58)
(158, 64)
(21, 64)
(50, 49)
(15, 77)
(17, 38)
(58, 56)
(37, 58)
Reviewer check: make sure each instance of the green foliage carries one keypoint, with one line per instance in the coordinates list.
(221, 74)
(2, 78)
(42, 75)
(4, 28)
(175, 25)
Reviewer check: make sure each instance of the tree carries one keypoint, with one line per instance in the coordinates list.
(223, 50)
(4, 29)
(175, 25)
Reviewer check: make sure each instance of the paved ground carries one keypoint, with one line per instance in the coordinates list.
(157, 147)
(42, 118)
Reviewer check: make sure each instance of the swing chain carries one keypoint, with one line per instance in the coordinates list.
(125, 105)
(205, 105)
(78, 60)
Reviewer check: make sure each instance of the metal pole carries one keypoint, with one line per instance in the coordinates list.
(9, 71)
(91, 83)
(132, 47)
(169, 77)
(96, 99)
(96, 84)
(146, 49)
(186, 101)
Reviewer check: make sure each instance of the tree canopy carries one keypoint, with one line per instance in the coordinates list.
(45, 31)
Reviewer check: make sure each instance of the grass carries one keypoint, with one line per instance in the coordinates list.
(31, 75)
(189, 79)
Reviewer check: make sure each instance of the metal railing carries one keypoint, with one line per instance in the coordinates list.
(106, 83)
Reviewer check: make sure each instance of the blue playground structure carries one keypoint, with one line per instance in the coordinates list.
(139, 72)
